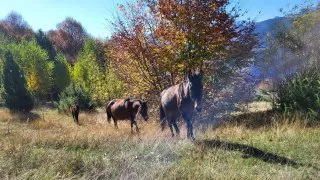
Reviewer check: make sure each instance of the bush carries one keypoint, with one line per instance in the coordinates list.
(16, 95)
(300, 93)
(75, 94)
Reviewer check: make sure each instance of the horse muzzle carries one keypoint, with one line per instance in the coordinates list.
(198, 106)
(199, 109)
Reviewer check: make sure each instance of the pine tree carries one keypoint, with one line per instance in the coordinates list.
(16, 95)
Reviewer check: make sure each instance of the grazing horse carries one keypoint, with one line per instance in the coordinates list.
(74, 108)
(181, 100)
(122, 109)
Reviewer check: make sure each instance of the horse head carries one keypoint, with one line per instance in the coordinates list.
(195, 87)
(144, 110)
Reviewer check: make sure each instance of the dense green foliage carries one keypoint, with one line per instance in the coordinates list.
(61, 75)
(102, 84)
(44, 57)
(75, 94)
(16, 95)
(34, 61)
(300, 93)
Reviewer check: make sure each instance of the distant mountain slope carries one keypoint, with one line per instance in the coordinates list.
(266, 27)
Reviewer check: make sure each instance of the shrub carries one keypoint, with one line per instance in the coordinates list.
(300, 93)
(16, 95)
(75, 94)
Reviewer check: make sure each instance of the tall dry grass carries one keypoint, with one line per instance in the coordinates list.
(95, 149)
(48, 145)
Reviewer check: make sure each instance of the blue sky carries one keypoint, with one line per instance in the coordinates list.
(93, 14)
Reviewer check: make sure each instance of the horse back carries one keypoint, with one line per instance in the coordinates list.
(170, 98)
(121, 108)
(176, 99)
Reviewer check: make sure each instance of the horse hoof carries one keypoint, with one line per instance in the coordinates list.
(192, 139)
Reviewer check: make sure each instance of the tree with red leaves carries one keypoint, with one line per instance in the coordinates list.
(14, 27)
(69, 38)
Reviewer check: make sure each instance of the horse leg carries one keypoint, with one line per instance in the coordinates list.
(135, 123)
(115, 123)
(163, 118)
(109, 115)
(163, 123)
(73, 117)
(176, 127)
(76, 117)
(187, 119)
(170, 126)
(131, 126)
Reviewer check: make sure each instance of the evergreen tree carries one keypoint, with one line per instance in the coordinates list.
(16, 95)
(46, 44)
(61, 76)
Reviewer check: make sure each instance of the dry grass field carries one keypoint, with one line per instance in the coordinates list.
(48, 145)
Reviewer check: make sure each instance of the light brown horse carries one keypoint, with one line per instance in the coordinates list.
(123, 109)
(181, 100)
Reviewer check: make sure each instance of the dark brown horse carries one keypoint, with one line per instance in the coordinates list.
(181, 100)
(74, 108)
(122, 109)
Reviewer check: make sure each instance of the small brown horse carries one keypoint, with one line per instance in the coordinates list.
(182, 99)
(122, 109)
(74, 108)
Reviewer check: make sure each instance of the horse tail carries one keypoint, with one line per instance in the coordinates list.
(108, 110)
(162, 117)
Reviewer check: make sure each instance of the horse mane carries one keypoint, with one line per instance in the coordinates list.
(139, 101)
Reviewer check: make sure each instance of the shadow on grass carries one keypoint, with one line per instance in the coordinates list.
(26, 116)
(252, 120)
(248, 151)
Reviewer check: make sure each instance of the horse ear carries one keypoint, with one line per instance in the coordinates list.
(190, 74)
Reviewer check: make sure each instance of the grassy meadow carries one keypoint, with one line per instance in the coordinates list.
(48, 145)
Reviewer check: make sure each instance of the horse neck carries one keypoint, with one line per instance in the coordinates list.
(185, 90)
(137, 104)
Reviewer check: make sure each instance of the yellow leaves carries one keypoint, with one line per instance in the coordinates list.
(169, 37)
(33, 81)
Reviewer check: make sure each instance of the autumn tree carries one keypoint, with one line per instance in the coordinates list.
(135, 52)
(69, 38)
(14, 27)
(156, 41)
